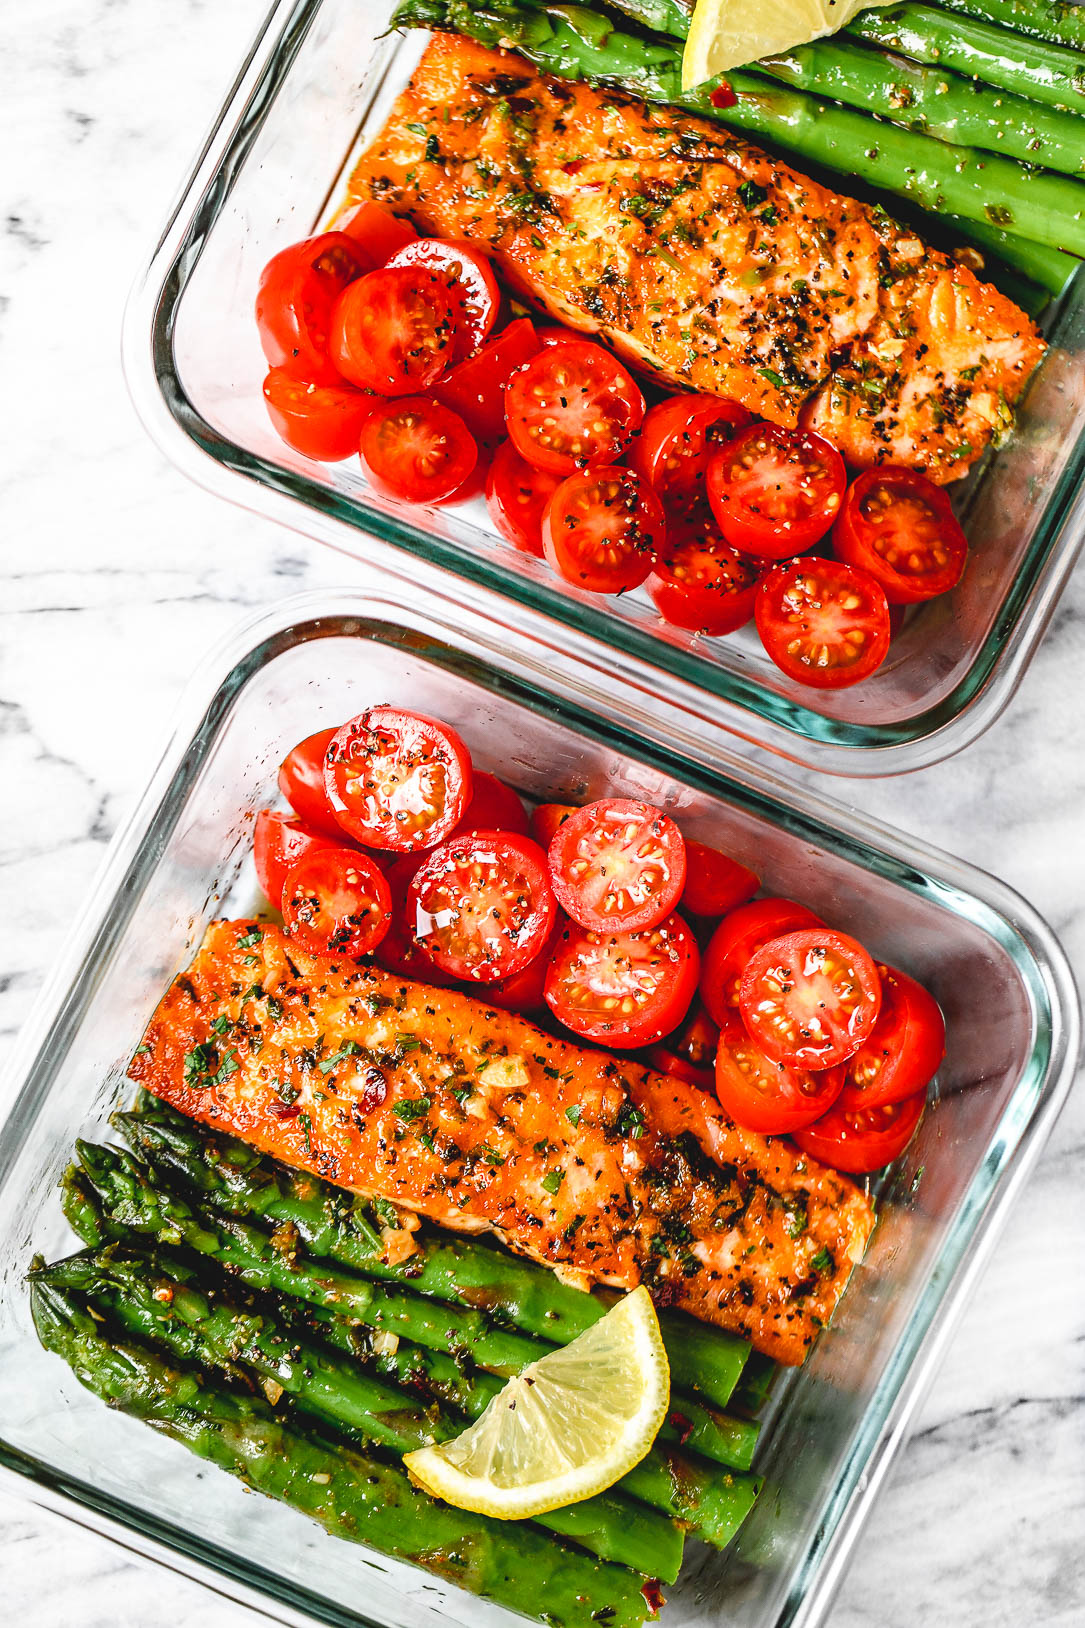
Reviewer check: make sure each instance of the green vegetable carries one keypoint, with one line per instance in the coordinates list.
(352, 1495)
(1054, 20)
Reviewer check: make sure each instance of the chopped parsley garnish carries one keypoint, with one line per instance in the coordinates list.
(220, 1025)
(417, 129)
(573, 1113)
(307, 1125)
(349, 1048)
(823, 1260)
(407, 1042)
(204, 1068)
(553, 1180)
(387, 1213)
(630, 1121)
(433, 150)
(493, 1158)
(751, 194)
(796, 1221)
(773, 377)
(253, 936)
(413, 1107)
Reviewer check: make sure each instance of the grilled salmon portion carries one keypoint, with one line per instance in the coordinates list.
(704, 260)
(595, 1166)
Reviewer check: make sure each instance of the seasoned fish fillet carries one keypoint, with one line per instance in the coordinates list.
(703, 259)
(474, 1117)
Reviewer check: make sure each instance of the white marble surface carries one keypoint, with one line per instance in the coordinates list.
(117, 575)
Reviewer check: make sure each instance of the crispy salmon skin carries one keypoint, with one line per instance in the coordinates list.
(704, 260)
(474, 1117)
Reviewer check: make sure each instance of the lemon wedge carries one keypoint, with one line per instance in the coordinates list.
(725, 34)
(568, 1427)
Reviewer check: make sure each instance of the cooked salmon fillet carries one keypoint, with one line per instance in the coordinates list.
(704, 260)
(598, 1167)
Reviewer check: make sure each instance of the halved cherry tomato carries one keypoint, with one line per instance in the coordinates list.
(415, 449)
(763, 1094)
(377, 233)
(493, 807)
(476, 388)
(546, 818)
(572, 406)
(298, 289)
(736, 938)
(517, 496)
(775, 491)
(336, 902)
(865, 1140)
(811, 998)
(470, 279)
(301, 781)
(525, 991)
(823, 623)
(676, 441)
(601, 530)
(399, 950)
(690, 1052)
(320, 421)
(618, 865)
(278, 842)
(624, 989)
(394, 330)
(898, 526)
(703, 585)
(904, 1049)
(671, 1062)
(482, 905)
(397, 779)
(715, 883)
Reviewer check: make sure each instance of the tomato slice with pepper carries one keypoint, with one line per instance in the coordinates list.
(775, 491)
(518, 496)
(482, 905)
(715, 883)
(618, 865)
(823, 623)
(321, 421)
(415, 449)
(573, 406)
(601, 530)
(397, 780)
(476, 388)
(301, 781)
(493, 807)
(811, 998)
(524, 991)
(702, 584)
(278, 842)
(399, 950)
(738, 935)
(763, 1094)
(546, 818)
(865, 1139)
(899, 527)
(623, 989)
(298, 290)
(470, 279)
(690, 1052)
(376, 232)
(336, 901)
(904, 1049)
(394, 330)
(677, 439)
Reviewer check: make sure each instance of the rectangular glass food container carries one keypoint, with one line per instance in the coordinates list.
(319, 82)
(184, 858)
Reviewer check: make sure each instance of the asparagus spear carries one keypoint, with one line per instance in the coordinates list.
(352, 1495)
(1051, 74)
(940, 177)
(465, 1271)
(1055, 20)
(154, 1298)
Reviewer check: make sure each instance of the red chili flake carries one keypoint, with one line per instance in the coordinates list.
(723, 96)
(285, 1110)
(574, 166)
(374, 1091)
(683, 1425)
(653, 1594)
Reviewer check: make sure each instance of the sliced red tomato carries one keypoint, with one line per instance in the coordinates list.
(294, 301)
(415, 449)
(525, 991)
(394, 330)
(863, 1140)
(715, 883)
(823, 623)
(618, 865)
(703, 584)
(476, 388)
(762, 1094)
(399, 951)
(811, 998)
(278, 842)
(397, 780)
(377, 233)
(482, 905)
(518, 496)
(676, 441)
(623, 989)
(601, 530)
(904, 1049)
(690, 1052)
(321, 421)
(493, 807)
(736, 938)
(336, 902)
(546, 818)
(301, 781)
(775, 491)
(671, 1062)
(469, 277)
(573, 406)
(899, 527)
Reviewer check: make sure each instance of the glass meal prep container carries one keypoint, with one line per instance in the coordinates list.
(318, 85)
(185, 858)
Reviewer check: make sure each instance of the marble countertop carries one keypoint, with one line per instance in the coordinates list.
(117, 575)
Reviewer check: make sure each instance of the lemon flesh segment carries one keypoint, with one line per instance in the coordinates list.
(725, 34)
(568, 1427)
